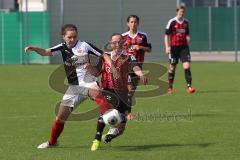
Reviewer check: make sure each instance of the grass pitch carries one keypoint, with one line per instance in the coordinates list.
(200, 126)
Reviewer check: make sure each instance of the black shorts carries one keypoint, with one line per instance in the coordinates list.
(179, 52)
(134, 81)
(117, 99)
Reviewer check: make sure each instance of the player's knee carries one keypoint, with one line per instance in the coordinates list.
(172, 69)
(186, 65)
(59, 120)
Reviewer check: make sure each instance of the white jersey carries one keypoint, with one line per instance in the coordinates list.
(75, 60)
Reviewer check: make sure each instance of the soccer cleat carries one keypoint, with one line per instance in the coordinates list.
(130, 116)
(190, 90)
(95, 145)
(46, 145)
(170, 91)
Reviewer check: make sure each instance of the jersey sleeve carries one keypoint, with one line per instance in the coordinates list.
(168, 27)
(187, 30)
(94, 50)
(146, 41)
(56, 49)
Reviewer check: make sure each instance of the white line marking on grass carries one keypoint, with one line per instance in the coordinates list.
(19, 117)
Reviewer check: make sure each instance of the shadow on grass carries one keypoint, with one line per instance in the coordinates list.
(148, 147)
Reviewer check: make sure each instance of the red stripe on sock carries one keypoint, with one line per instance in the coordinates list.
(102, 103)
(57, 129)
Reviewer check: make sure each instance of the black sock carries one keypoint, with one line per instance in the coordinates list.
(188, 77)
(100, 127)
(109, 137)
(171, 75)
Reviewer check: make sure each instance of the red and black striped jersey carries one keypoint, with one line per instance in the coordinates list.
(141, 39)
(178, 31)
(124, 64)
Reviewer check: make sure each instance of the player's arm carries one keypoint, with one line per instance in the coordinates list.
(188, 39)
(137, 70)
(105, 57)
(41, 51)
(188, 36)
(146, 46)
(166, 42)
(167, 38)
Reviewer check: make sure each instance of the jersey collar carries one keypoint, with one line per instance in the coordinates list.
(180, 22)
(133, 35)
(122, 53)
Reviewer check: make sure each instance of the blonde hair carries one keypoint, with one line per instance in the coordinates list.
(180, 7)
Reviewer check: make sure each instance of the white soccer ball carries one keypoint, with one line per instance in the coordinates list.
(112, 117)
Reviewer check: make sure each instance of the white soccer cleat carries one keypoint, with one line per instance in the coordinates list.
(46, 145)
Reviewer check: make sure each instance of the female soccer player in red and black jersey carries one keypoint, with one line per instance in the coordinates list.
(135, 43)
(118, 87)
(177, 31)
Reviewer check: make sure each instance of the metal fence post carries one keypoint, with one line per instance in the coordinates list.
(210, 28)
(235, 31)
(121, 15)
(3, 48)
(61, 12)
(26, 34)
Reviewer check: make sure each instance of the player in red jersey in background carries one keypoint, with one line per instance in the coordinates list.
(117, 87)
(135, 43)
(177, 33)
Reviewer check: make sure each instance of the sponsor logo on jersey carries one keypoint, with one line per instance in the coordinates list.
(79, 51)
(182, 31)
(139, 40)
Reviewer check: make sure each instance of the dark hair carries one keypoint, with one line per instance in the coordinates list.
(180, 7)
(133, 16)
(68, 27)
(115, 34)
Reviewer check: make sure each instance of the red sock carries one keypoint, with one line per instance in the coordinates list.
(57, 129)
(102, 103)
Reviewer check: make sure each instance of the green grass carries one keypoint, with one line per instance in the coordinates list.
(27, 112)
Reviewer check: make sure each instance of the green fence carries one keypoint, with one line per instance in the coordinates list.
(212, 29)
(13, 37)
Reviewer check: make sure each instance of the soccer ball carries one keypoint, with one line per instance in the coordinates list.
(112, 117)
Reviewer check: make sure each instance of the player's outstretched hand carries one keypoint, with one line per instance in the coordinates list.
(168, 50)
(28, 48)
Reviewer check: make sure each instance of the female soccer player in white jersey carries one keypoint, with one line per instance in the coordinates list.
(75, 55)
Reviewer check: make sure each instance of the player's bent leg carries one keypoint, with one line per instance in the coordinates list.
(57, 127)
(98, 136)
(114, 132)
(99, 98)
